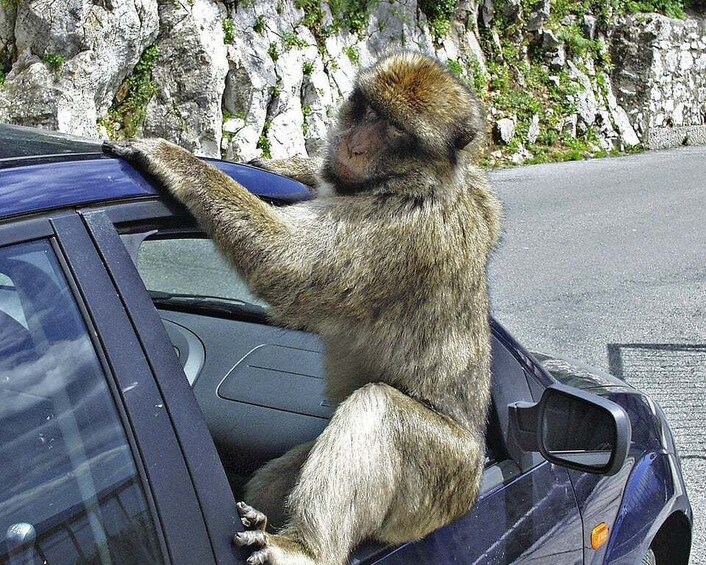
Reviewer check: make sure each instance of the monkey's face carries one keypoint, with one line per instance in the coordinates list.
(368, 149)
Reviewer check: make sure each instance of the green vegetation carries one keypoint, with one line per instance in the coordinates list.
(129, 107)
(313, 18)
(353, 54)
(291, 40)
(259, 25)
(306, 112)
(54, 61)
(439, 14)
(228, 31)
(273, 52)
(455, 67)
(263, 144)
(307, 68)
(352, 15)
(348, 15)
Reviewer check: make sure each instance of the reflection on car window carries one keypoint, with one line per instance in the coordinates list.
(70, 491)
(190, 266)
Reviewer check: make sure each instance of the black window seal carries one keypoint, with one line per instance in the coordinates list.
(109, 375)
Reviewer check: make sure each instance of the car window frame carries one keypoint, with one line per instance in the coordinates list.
(205, 469)
(168, 214)
(123, 363)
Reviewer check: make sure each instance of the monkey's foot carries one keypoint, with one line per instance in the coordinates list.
(267, 549)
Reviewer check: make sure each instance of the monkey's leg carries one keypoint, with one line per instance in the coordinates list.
(386, 468)
(268, 488)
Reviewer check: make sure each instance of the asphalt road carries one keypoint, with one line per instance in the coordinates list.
(604, 261)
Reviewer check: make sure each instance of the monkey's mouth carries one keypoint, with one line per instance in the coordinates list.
(348, 174)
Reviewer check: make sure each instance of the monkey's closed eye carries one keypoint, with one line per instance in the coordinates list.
(370, 114)
(395, 132)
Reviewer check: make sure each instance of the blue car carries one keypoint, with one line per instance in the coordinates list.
(141, 384)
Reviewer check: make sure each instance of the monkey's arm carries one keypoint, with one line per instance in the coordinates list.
(260, 240)
(302, 169)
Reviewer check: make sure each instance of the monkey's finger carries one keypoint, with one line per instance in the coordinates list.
(250, 537)
(134, 149)
(114, 148)
(261, 557)
(250, 517)
(131, 149)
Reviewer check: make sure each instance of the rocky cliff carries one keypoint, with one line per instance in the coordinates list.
(241, 79)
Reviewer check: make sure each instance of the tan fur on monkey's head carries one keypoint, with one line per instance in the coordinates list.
(420, 94)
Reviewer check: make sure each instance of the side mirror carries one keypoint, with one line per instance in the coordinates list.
(573, 429)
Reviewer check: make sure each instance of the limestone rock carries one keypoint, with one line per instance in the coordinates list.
(86, 50)
(588, 26)
(533, 131)
(586, 102)
(190, 73)
(245, 79)
(505, 130)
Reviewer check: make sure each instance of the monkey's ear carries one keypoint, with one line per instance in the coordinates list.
(464, 137)
(470, 127)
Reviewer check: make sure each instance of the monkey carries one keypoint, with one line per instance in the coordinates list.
(389, 268)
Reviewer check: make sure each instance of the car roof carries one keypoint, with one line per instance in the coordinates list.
(42, 170)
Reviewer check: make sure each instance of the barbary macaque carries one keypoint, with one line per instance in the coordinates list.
(389, 269)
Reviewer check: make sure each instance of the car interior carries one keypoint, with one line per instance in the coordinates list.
(259, 386)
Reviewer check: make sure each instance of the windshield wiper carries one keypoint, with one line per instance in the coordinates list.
(230, 307)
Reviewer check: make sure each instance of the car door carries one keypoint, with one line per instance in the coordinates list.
(90, 466)
(526, 511)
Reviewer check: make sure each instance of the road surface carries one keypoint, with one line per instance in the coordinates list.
(605, 261)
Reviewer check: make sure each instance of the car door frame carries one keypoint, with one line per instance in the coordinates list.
(199, 453)
(174, 507)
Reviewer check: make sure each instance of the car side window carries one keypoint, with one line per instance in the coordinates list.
(192, 266)
(70, 487)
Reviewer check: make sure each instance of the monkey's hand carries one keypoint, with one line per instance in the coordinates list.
(156, 157)
(267, 549)
(302, 169)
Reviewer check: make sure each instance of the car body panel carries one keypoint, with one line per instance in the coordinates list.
(653, 468)
(531, 518)
(43, 186)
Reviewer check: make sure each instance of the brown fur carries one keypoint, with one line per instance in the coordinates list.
(391, 273)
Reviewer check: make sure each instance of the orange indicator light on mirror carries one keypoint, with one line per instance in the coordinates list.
(599, 535)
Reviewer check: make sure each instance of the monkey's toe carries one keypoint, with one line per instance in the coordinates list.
(261, 557)
(251, 518)
(250, 537)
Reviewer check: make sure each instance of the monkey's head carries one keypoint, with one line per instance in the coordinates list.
(403, 128)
